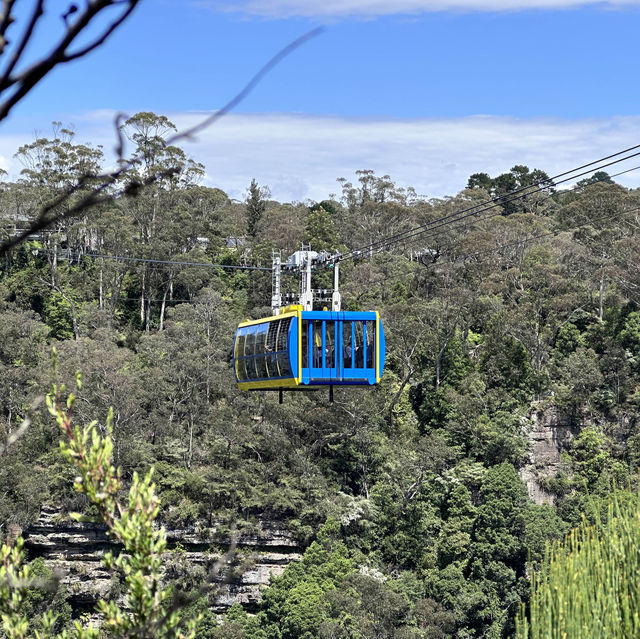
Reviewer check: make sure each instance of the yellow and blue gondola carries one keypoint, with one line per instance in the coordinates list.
(303, 350)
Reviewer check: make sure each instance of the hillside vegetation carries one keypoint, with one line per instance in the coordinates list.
(407, 495)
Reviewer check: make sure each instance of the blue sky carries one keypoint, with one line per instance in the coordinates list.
(428, 96)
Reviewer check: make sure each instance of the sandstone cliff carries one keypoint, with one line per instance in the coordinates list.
(73, 550)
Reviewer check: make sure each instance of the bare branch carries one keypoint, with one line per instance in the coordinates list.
(119, 119)
(31, 76)
(100, 40)
(248, 88)
(37, 14)
(99, 194)
(6, 20)
(94, 198)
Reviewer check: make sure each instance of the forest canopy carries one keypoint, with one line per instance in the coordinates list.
(412, 499)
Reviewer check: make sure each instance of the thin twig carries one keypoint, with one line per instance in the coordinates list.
(249, 87)
(5, 81)
(6, 20)
(97, 197)
(32, 75)
(22, 429)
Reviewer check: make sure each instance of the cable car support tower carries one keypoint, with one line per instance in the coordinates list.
(303, 263)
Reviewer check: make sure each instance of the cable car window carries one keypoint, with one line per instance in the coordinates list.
(261, 334)
(305, 344)
(272, 365)
(283, 364)
(330, 345)
(250, 363)
(371, 344)
(250, 340)
(272, 333)
(317, 344)
(358, 346)
(283, 333)
(261, 367)
(347, 347)
(236, 346)
(238, 351)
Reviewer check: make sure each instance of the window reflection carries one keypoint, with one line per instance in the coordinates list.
(358, 346)
(305, 344)
(317, 344)
(330, 344)
(371, 344)
(347, 344)
(261, 350)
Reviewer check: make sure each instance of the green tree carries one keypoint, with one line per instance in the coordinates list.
(497, 551)
(588, 584)
(53, 169)
(256, 205)
(320, 231)
(145, 610)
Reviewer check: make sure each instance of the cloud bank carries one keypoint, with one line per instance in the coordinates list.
(373, 8)
(300, 157)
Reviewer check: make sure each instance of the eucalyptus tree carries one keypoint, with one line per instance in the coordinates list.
(374, 208)
(159, 173)
(520, 190)
(53, 168)
(600, 220)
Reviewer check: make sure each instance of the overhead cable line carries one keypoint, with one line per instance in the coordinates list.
(496, 249)
(492, 203)
(458, 227)
(124, 258)
(451, 220)
(635, 168)
(532, 238)
(471, 211)
(498, 200)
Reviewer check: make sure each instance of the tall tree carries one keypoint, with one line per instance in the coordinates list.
(256, 204)
(52, 170)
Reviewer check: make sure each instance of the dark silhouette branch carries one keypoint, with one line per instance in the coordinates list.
(26, 80)
(5, 21)
(100, 194)
(35, 16)
(101, 39)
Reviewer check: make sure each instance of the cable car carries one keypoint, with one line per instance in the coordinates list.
(299, 348)
(304, 350)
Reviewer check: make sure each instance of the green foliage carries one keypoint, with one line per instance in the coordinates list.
(588, 585)
(569, 338)
(588, 456)
(256, 206)
(132, 525)
(320, 231)
(57, 313)
(421, 471)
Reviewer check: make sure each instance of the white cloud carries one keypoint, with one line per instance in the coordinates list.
(300, 157)
(372, 8)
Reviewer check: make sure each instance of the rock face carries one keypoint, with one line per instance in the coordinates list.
(74, 550)
(549, 435)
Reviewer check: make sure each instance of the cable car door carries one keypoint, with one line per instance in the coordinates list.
(323, 360)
